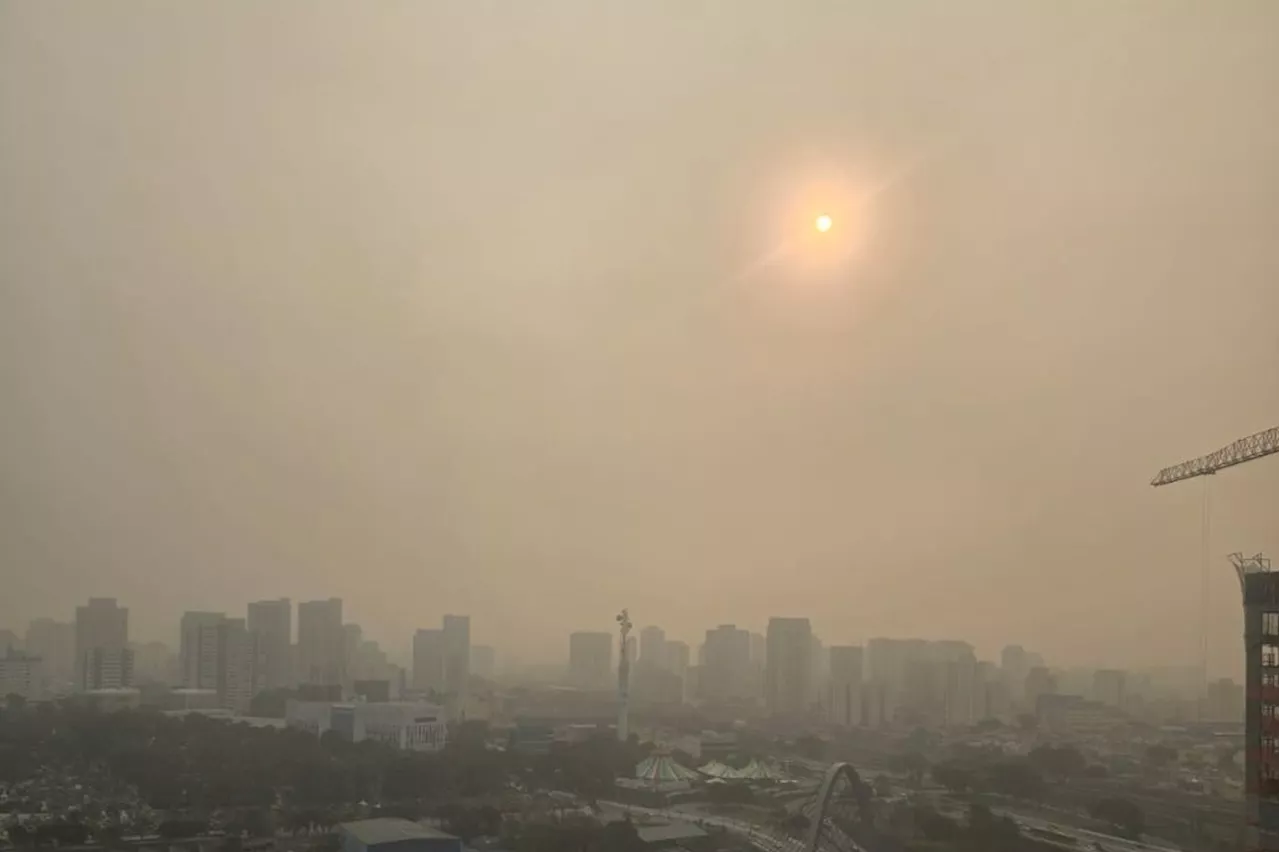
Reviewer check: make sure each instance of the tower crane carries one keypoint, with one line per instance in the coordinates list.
(1256, 446)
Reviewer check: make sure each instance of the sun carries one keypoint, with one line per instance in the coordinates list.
(823, 223)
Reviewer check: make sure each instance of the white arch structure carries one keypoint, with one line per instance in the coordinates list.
(824, 797)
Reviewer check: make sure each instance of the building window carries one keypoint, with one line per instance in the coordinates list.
(1270, 623)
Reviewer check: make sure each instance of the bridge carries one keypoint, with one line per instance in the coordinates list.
(827, 821)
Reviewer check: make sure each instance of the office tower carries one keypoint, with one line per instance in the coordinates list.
(1108, 687)
(483, 661)
(1040, 681)
(819, 669)
(54, 642)
(1258, 588)
(102, 625)
(352, 639)
(105, 667)
(677, 656)
(457, 660)
(726, 672)
(591, 660)
(9, 641)
(1225, 700)
(321, 642)
(1014, 666)
(428, 661)
(237, 664)
(271, 623)
(845, 703)
(198, 649)
(787, 667)
(653, 648)
(154, 663)
(21, 674)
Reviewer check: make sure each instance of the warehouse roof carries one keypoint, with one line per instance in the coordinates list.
(371, 832)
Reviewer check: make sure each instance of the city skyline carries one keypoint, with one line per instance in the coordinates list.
(554, 356)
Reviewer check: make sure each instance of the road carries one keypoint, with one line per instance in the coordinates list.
(758, 837)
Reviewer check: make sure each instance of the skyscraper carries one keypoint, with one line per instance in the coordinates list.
(101, 625)
(198, 659)
(726, 670)
(457, 660)
(238, 665)
(591, 660)
(54, 642)
(846, 685)
(428, 661)
(271, 623)
(788, 643)
(653, 648)
(321, 642)
(1258, 587)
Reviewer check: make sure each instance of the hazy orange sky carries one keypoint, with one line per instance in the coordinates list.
(516, 310)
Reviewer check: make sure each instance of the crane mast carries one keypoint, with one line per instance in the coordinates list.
(1257, 585)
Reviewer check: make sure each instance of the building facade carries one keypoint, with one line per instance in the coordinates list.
(725, 675)
(1262, 646)
(428, 661)
(271, 623)
(845, 702)
(54, 642)
(321, 643)
(404, 725)
(456, 631)
(21, 674)
(788, 667)
(101, 625)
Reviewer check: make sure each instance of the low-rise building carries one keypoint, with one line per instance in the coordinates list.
(406, 725)
(21, 675)
(395, 835)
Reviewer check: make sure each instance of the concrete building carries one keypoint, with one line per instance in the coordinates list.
(103, 668)
(788, 668)
(154, 663)
(1225, 701)
(321, 643)
(428, 662)
(198, 649)
(845, 702)
(1039, 682)
(102, 624)
(1258, 588)
(653, 647)
(725, 675)
(220, 654)
(1014, 666)
(21, 674)
(238, 665)
(54, 642)
(1108, 687)
(271, 623)
(404, 725)
(456, 630)
(394, 835)
(591, 659)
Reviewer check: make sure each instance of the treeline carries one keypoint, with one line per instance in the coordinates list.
(199, 764)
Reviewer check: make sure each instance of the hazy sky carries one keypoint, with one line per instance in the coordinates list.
(515, 309)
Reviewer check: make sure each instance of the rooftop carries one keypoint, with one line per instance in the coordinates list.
(664, 833)
(371, 832)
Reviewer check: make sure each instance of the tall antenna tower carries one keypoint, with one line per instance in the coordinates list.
(624, 675)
